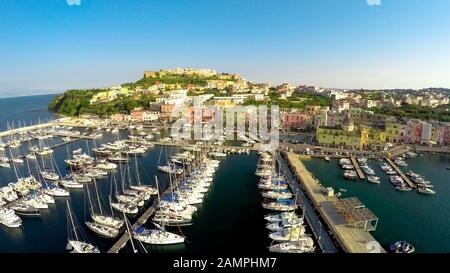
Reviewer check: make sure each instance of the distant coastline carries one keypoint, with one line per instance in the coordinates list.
(30, 95)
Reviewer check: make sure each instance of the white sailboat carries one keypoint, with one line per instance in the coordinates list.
(158, 236)
(75, 243)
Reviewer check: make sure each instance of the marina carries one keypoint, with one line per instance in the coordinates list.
(336, 222)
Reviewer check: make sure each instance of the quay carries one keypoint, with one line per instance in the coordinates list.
(349, 221)
(357, 168)
(322, 237)
(27, 129)
(402, 175)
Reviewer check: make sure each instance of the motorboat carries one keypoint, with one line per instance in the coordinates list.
(276, 226)
(344, 161)
(367, 170)
(373, 179)
(276, 217)
(34, 202)
(403, 188)
(280, 205)
(302, 245)
(277, 194)
(8, 193)
(9, 218)
(396, 180)
(425, 190)
(24, 210)
(288, 234)
(402, 247)
(350, 174)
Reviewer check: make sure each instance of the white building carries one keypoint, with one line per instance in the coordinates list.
(426, 132)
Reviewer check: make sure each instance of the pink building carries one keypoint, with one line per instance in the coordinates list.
(412, 132)
(446, 137)
(294, 120)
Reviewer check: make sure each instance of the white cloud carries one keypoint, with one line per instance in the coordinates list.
(373, 2)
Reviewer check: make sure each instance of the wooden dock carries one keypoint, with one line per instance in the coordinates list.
(402, 175)
(357, 168)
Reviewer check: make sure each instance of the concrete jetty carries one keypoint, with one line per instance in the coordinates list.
(350, 238)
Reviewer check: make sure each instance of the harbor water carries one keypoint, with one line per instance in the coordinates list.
(423, 220)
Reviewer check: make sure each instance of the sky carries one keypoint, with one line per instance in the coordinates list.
(48, 45)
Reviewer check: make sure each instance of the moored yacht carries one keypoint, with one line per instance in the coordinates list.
(103, 230)
(9, 218)
(157, 236)
(302, 245)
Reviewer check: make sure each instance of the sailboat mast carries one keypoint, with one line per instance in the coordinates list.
(98, 197)
(71, 220)
(89, 198)
(129, 233)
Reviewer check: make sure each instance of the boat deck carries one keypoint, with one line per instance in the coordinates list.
(400, 172)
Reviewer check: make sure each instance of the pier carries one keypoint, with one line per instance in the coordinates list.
(402, 175)
(140, 221)
(357, 168)
(322, 237)
(26, 129)
(350, 227)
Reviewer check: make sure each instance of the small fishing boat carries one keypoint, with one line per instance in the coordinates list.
(402, 247)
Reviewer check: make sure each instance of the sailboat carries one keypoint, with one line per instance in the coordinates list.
(158, 236)
(74, 241)
(101, 217)
(146, 190)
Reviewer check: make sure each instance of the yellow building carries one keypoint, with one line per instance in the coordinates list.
(393, 132)
(372, 137)
(224, 103)
(346, 136)
(338, 137)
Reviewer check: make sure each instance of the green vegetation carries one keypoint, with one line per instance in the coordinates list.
(297, 100)
(77, 102)
(441, 113)
(371, 96)
(183, 81)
